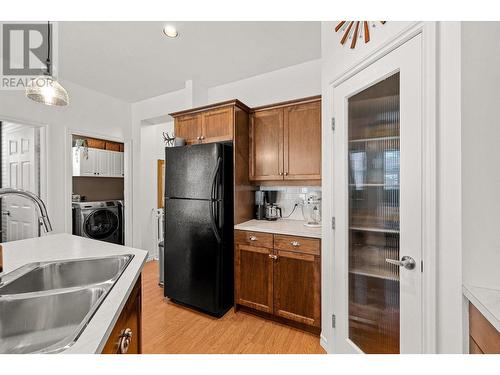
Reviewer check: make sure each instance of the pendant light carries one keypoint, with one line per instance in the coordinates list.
(45, 89)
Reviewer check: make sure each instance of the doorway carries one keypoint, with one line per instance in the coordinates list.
(21, 152)
(97, 188)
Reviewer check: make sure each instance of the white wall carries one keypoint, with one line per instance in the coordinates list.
(88, 111)
(338, 59)
(152, 149)
(480, 159)
(297, 81)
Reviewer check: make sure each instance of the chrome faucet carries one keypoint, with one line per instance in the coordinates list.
(42, 210)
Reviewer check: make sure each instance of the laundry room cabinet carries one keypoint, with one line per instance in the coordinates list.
(93, 162)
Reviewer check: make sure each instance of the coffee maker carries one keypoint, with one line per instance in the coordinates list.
(273, 211)
(260, 205)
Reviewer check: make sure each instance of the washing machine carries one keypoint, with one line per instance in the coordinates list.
(98, 220)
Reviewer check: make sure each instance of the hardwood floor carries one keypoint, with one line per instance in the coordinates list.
(169, 328)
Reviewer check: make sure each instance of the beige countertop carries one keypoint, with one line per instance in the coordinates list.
(487, 301)
(66, 246)
(280, 226)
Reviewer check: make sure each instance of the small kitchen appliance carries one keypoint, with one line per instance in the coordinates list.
(260, 205)
(312, 210)
(273, 211)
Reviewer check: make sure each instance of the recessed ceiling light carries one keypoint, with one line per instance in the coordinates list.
(170, 31)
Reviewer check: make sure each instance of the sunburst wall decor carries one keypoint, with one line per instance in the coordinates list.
(355, 30)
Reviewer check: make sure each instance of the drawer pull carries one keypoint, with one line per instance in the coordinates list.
(295, 243)
(252, 238)
(272, 256)
(125, 339)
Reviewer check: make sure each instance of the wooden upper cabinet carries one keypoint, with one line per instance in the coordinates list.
(188, 127)
(217, 125)
(302, 142)
(297, 287)
(285, 141)
(266, 145)
(211, 123)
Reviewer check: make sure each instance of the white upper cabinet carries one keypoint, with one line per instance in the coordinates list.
(97, 163)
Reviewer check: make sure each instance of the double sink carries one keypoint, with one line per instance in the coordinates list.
(45, 306)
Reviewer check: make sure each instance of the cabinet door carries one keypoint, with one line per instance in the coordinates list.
(122, 164)
(302, 142)
(115, 164)
(297, 287)
(189, 128)
(89, 163)
(126, 335)
(266, 145)
(103, 163)
(254, 277)
(217, 125)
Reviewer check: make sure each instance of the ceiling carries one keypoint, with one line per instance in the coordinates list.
(135, 60)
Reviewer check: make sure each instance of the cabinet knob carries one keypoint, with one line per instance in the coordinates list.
(286, 173)
(272, 256)
(252, 238)
(281, 173)
(198, 138)
(295, 243)
(125, 339)
(202, 138)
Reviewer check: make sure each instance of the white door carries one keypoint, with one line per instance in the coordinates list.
(20, 213)
(377, 206)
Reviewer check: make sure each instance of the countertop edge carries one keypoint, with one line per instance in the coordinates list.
(476, 301)
(289, 232)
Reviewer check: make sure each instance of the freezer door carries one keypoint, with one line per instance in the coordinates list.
(190, 170)
(193, 255)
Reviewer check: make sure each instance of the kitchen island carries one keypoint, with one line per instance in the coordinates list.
(94, 337)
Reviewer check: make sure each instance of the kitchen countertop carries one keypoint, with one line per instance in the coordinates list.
(487, 301)
(67, 246)
(280, 226)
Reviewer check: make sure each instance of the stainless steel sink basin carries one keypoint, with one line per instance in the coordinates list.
(65, 274)
(45, 322)
(44, 307)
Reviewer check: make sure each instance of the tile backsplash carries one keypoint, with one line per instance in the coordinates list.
(288, 196)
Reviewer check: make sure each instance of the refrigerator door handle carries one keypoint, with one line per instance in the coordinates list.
(213, 220)
(214, 204)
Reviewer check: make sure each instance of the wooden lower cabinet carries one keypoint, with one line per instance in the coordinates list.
(283, 283)
(254, 277)
(126, 335)
(483, 336)
(297, 287)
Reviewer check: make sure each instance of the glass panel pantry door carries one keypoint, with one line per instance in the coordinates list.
(377, 196)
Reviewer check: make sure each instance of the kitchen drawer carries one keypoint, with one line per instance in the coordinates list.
(297, 244)
(254, 238)
(482, 332)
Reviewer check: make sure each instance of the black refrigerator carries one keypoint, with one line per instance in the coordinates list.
(198, 260)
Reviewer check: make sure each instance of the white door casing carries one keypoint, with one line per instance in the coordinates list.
(20, 213)
(407, 60)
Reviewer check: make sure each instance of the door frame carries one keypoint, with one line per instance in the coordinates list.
(127, 182)
(44, 137)
(428, 32)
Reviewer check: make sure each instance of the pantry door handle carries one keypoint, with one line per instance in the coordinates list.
(406, 262)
